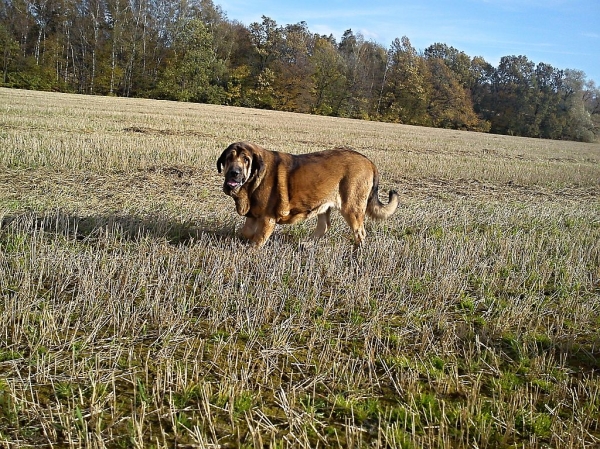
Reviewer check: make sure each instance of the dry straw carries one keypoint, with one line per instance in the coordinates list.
(132, 316)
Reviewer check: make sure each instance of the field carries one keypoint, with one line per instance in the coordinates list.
(132, 315)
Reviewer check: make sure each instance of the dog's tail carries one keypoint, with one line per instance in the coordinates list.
(375, 208)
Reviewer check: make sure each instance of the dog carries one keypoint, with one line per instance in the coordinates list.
(271, 187)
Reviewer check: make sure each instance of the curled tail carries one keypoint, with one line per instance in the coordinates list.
(375, 208)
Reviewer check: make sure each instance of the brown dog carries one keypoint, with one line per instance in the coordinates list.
(271, 188)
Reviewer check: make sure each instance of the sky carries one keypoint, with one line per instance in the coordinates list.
(562, 33)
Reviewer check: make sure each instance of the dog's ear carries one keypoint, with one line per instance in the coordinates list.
(258, 165)
(221, 159)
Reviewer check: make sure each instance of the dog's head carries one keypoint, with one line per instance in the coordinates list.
(241, 162)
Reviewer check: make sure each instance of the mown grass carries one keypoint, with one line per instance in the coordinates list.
(131, 314)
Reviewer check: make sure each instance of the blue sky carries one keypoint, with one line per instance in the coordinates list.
(563, 33)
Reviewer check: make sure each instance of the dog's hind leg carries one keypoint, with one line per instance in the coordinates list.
(356, 223)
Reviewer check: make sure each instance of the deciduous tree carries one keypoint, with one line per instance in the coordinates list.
(406, 89)
(191, 68)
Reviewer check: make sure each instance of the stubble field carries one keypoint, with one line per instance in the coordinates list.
(131, 314)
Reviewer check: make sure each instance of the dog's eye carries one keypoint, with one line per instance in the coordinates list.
(246, 159)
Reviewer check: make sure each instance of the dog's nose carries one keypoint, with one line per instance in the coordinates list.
(234, 172)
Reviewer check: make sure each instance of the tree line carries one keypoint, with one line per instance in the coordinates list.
(188, 50)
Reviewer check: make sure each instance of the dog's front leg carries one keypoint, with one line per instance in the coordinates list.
(264, 228)
(249, 228)
(323, 224)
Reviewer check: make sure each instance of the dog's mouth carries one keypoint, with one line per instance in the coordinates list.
(234, 184)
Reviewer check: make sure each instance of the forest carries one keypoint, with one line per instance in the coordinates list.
(189, 50)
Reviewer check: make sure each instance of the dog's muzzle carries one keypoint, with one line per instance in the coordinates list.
(233, 181)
